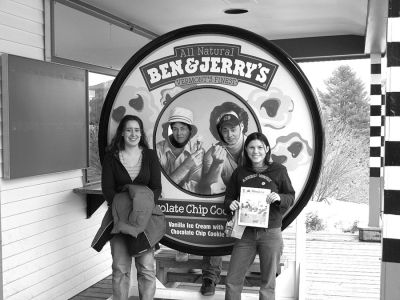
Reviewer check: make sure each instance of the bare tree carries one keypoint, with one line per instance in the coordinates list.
(344, 168)
(344, 174)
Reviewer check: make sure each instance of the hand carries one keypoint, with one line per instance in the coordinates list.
(272, 197)
(194, 159)
(197, 157)
(218, 154)
(234, 205)
(199, 142)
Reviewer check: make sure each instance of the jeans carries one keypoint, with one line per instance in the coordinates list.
(211, 268)
(121, 269)
(267, 243)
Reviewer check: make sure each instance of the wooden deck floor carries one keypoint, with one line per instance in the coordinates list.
(338, 267)
(342, 269)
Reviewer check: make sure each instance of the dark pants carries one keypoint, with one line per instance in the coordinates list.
(267, 243)
(211, 268)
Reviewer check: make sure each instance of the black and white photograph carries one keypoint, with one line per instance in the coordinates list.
(221, 150)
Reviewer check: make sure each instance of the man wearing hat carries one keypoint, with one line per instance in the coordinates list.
(180, 156)
(228, 124)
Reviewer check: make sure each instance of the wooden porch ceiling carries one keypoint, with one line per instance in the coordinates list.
(307, 29)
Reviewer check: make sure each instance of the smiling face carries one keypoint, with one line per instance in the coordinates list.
(256, 151)
(180, 132)
(131, 134)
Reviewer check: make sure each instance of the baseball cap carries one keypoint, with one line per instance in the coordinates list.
(228, 119)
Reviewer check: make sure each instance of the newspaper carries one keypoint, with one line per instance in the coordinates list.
(253, 209)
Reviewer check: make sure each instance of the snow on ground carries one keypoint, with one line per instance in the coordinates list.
(338, 216)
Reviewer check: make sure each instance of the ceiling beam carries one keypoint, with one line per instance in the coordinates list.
(108, 17)
(323, 47)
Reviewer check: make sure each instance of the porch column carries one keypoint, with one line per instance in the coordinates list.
(390, 279)
(377, 113)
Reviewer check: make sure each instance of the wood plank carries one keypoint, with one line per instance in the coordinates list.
(73, 286)
(342, 272)
(339, 245)
(22, 37)
(24, 251)
(45, 213)
(39, 179)
(329, 278)
(44, 284)
(252, 279)
(29, 230)
(54, 240)
(45, 201)
(32, 12)
(21, 24)
(36, 265)
(35, 4)
(95, 293)
(41, 189)
(94, 188)
(166, 259)
(347, 281)
(185, 293)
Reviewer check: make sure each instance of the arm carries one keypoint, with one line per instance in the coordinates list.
(179, 173)
(286, 191)
(232, 192)
(213, 164)
(193, 160)
(107, 179)
(155, 176)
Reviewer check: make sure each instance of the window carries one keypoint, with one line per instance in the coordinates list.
(99, 85)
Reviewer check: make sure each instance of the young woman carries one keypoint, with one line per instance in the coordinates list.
(258, 172)
(130, 161)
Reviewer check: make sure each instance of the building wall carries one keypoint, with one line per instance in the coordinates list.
(45, 251)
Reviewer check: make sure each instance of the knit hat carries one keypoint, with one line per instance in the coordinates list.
(180, 114)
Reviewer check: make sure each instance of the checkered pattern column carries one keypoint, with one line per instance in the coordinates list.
(377, 112)
(377, 131)
(390, 283)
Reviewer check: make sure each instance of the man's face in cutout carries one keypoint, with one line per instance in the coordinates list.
(231, 133)
(180, 132)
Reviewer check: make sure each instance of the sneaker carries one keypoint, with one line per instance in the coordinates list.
(208, 287)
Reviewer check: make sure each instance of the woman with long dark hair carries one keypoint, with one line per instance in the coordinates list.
(258, 172)
(130, 161)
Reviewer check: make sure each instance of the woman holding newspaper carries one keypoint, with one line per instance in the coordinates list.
(257, 187)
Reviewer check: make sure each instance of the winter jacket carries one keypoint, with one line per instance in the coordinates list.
(275, 178)
(115, 178)
(134, 215)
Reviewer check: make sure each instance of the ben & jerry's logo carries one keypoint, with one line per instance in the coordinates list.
(212, 63)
